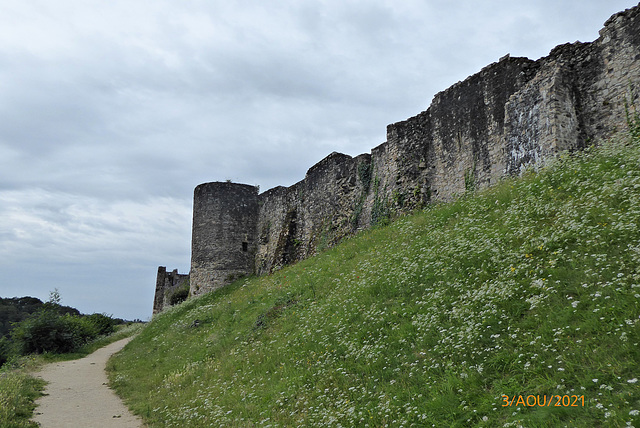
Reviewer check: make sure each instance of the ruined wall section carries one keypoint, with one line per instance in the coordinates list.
(331, 192)
(401, 169)
(616, 79)
(468, 126)
(294, 222)
(456, 145)
(224, 239)
(171, 288)
(577, 96)
(541, 119)
(277, 227)
(432, 156)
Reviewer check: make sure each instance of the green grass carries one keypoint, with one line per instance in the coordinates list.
(17, 394)
(529, 288)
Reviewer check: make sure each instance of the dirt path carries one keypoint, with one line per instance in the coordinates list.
(78, 395)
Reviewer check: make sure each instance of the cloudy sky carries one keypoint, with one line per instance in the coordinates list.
(112, 111)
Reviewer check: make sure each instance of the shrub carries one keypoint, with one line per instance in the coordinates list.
(103, 323)
(179, 296)
(46, 331)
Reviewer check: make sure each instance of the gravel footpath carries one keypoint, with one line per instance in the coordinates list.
(78, 395)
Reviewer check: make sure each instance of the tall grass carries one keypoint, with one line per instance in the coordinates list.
(17, 394)
(531, 288)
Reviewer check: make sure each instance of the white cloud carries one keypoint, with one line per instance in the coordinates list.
(61, 227)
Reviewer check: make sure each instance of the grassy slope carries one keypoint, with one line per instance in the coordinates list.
(532, 287)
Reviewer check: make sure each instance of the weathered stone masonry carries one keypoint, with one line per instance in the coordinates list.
(168, 285)
(224, 234)
(511, 114)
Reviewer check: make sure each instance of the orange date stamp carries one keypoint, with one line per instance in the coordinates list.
(543, 401)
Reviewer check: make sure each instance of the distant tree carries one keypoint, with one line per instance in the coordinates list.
(103, 323)
(15, 309)
(54, 297)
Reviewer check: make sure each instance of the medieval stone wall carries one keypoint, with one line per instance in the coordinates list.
(511, 114)
(456, 144)
(315, 212)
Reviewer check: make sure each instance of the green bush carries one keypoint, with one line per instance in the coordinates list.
(104, 324)
(47, 331)
(179, 296)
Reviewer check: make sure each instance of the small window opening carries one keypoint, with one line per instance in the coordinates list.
(245, 246)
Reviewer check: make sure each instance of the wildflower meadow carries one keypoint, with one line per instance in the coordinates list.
(515, 306)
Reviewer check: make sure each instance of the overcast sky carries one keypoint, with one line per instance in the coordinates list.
(112, 111)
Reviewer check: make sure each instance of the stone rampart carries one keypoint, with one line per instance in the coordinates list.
(512, 114)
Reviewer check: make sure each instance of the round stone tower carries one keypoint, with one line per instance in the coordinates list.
(223, 242)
